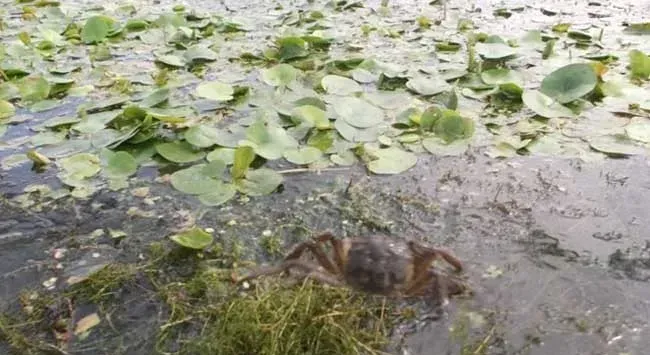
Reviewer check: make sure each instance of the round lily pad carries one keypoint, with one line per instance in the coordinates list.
(259, 182)
(358, 113)
(570, 82)
(215, 90)
(303, 155)
(219, 196)
(339, 85)
(179, 152)
(6, 109)
(392, 160)
(195, 238)
(280, 75)
(195, 180)
(544, 105)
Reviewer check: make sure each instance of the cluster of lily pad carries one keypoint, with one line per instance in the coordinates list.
(295, 105)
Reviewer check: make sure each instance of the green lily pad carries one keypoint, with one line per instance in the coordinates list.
(452, 126)
(66, 148)
(179, 152)
(437, 146)
(545, 106)
(196, 180)
(495, 51)
(215, 90)
(96, 29)
(34, 88)
(171, 60)
(243, 158)
(615, 145)
(427, 86)
(363, 76)
(6, 109)
(259, 182)
(303, 155)
(155, 98)
(218, 197)
(268, 140)
(311, 115)
(501, 76)
(569, 83)
(339, 85)
(639, 131)
(47, 138)
(199, 54)
(358, 113)
(354, 134)
(391, 160)
(80, 166)
(226, 155)
(202, 136)
(119, 164)
(639, 64)
(279, 75)
(195, 238)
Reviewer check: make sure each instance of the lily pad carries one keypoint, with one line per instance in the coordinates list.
(639, 64)
(501, 76)
(495, 51)
(280, 75)
(119, 164)
(427, 86)
(339, 85)
(96, 29)
(437, 146)
(354, 134)
(545, 106)
(358, 113)
(639, 131)
(215, 90)
(243, 157)
(195, 238)
(179, 152)
(196, 180)
(615, 145)
(80, 166)
(202, 136)
(219, 196)
(312, 116)
(200, 54)
(569, 83)
(452, 126)
(226, 155)
(259, 182)
(6, 109)
(269, 140)
(303, 155)
(391, 160)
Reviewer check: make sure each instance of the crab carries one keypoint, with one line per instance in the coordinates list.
(376, 265)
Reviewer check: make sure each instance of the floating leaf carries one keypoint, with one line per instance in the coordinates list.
(569, 83)
(179, 152)
(639, 64)
(96, 29)
(495, 51)
(195, 180)
(438, 146)
(215, 90)
(171, 60)
(155, 98)
(259, 182)
(615, 145)
(202, 136)
(452, 126)
(339, 85)
(34, 88)
(199, 54)
(312, 115)
(639, 131)
(280, 75)
(292, 48)
(427, 86)
(544, 105)
(195, 238)
(6, 109)
(226, 155)
(354, 134)
(119, 164)
(219, 196)
(501, 76)
(303, 155)
(243, 158)
(80, 166)
(358, 113)
(363, 76)
(391, 160)
(269, 140)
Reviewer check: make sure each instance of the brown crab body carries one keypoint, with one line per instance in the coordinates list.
(375, 265)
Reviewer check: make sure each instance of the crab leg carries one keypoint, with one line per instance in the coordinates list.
(309, 269)
(431, 254)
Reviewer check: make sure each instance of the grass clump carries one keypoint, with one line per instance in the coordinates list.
(305, 319)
